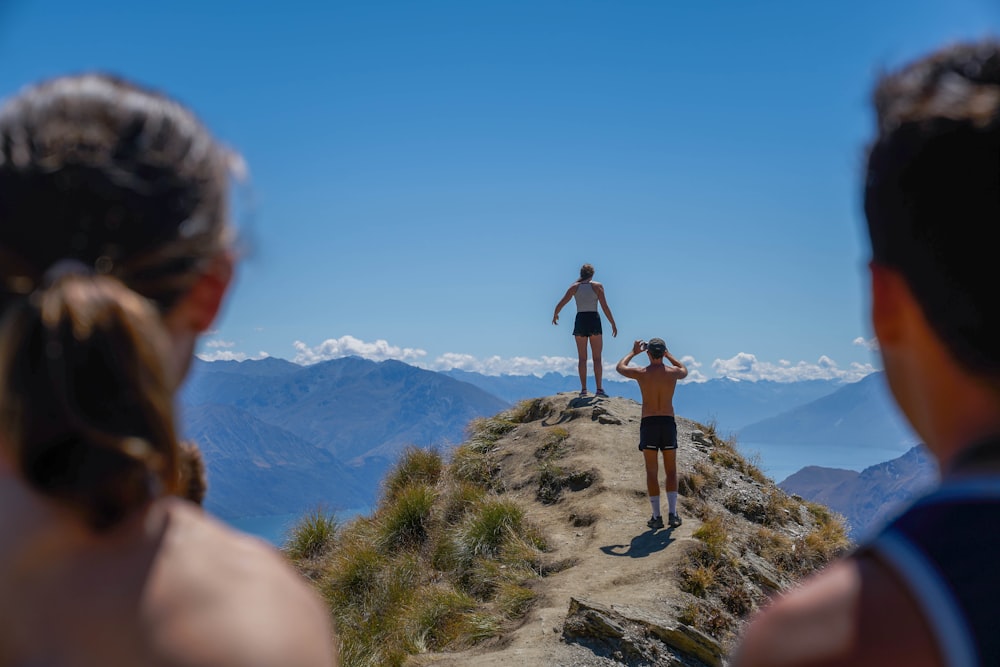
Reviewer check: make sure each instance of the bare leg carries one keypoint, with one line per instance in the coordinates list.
(670, 468)
(581, 351)
(597, 346)
(652, 472)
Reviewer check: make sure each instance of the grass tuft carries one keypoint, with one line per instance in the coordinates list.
(488, 526)
(312, 537)
(415, 466)
(404, 522)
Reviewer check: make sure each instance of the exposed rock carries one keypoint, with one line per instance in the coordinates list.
(636, 637)
(604, 416)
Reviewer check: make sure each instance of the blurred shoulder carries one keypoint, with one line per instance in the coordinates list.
(853, 613)
(238, 592)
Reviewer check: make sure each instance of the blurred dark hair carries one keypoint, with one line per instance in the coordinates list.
(586, 272)
(127, 188)
(932, 194)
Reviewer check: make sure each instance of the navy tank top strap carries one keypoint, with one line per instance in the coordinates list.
(946, 547)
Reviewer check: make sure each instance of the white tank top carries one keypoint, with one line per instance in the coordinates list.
(586, 298)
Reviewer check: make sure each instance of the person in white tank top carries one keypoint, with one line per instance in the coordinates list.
(587, 327)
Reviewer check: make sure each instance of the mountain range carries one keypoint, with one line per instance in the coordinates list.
(862, 414)
(329, 430)
(867, 499)
(279, 438)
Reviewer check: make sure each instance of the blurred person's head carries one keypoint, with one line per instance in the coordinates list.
(932, 195)
(113, 259)
(586, 272)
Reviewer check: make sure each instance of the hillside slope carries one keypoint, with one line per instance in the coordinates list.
(624, 572)
(611, 591)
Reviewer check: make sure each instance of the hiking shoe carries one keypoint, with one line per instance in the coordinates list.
(601, 394)
(673, 519)
(655, 522)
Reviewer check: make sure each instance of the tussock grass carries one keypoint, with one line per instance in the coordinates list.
(470, 464)
(438, 617)
(405, 522)
(490, 429)
(443, 563)
(415, 466)
(491, 523)
(713, 535)
(698, 579)
(312, 536)
(459, 499)
(528, 411)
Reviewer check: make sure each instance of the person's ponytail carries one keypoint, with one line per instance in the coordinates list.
(85, 404)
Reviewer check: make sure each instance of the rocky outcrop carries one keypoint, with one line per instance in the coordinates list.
(634, 636)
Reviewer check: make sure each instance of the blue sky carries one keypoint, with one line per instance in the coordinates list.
(427, 178)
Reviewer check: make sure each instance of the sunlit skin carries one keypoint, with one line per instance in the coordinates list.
(136, 591)
(657, 383)
(596, 341)
(857, 613)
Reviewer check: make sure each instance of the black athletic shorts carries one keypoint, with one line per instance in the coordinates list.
(658, 433)
(588, 323)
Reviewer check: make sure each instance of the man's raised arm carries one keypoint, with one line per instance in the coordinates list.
(677, 364)
(623, 368)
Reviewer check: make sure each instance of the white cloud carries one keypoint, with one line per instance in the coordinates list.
(871, 344)
(745, 366)
(348, 346)
(218, 342)
(497, 365)
(229, 355)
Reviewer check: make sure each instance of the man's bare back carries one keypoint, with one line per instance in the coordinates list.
(657, 381)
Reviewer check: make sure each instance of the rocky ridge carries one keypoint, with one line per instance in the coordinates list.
(623, 594)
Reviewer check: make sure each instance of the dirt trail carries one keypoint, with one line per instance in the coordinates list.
(601, 527)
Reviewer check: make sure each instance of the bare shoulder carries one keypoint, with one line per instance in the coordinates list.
(855, 612)
(222, 588)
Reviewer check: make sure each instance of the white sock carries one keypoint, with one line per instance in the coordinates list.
(655, 502)
(672, 501)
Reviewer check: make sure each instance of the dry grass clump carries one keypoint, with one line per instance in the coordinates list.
(528, 411)
(485, 431)
(712, 575)
(312, 537)
(725, 455)
(415, 466)
(699, 482)
(443, 563)
(552, 445)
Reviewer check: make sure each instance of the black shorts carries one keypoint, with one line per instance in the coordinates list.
(658, 433)
(587, 323)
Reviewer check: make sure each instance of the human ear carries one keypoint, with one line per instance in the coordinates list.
(199, 307)
(888, 293)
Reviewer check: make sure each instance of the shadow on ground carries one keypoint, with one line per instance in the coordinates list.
(641, 545)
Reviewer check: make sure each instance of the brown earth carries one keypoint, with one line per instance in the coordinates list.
(597, 525)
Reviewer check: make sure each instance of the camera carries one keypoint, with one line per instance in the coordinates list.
(643, 345)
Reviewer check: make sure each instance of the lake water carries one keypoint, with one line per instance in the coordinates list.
(275, 528)
(780, 461)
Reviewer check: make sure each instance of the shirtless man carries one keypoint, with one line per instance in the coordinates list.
(658, 430)
(923, 591)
